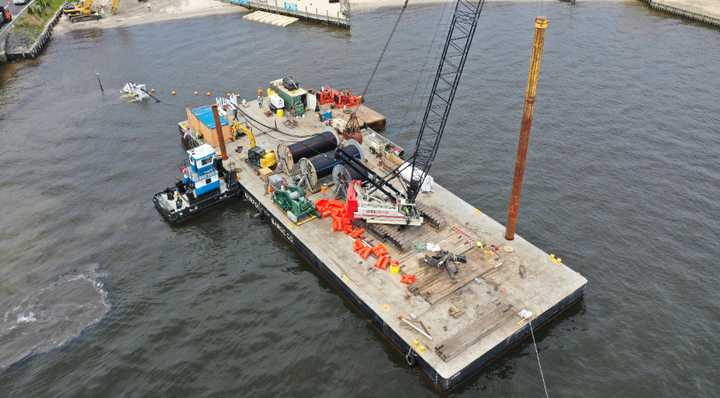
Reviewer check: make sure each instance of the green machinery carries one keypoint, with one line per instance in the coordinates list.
(297, 207)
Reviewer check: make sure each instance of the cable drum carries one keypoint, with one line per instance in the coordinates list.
(290, 154)
(310, 170)
(342, 175)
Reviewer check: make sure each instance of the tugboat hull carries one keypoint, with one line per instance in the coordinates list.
(178, 216)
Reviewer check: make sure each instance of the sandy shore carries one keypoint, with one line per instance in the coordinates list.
(132, 12)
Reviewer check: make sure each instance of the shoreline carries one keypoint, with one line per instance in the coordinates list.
(702, 11)
(166, 10)
(158, 11)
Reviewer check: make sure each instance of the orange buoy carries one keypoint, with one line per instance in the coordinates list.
(173, 92)
(209, 93)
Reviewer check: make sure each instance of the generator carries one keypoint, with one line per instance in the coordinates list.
(293, 201)
(259, 157)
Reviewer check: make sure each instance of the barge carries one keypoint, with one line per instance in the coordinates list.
(448, 324)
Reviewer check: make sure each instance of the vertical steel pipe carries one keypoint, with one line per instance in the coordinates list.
(218, 130)
(541, 23)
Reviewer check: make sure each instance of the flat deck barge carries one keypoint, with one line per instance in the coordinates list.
(448, 327)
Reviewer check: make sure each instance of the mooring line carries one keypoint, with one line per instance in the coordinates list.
(537, 355)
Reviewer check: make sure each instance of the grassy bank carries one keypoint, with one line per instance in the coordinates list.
(31, 24)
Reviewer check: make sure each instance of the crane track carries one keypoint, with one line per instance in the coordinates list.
(432, 215)
(391, 234)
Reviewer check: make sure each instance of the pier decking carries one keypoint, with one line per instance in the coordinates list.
(334, 13)
(707, 11)
(466, 321)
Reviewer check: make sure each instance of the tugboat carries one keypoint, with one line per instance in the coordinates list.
(205, 184)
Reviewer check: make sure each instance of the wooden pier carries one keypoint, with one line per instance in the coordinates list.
(448, 327)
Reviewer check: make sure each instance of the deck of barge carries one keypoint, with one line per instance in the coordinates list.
(484, 299)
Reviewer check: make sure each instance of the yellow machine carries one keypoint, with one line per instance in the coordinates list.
(261, 158)
(82, 11)
(257, 156)
(238, 129)
(78, 8)
(114, 6)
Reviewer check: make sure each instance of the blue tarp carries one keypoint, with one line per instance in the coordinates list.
(205, 116)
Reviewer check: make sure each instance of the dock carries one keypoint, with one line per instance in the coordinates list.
(332, 13)
(270, 18)
(448, 327)
(705, 11)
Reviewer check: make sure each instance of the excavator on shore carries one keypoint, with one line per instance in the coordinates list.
(81, 11)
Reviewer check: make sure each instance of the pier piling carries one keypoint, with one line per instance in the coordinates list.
(541, 23)
(218, 129)
(102, 90)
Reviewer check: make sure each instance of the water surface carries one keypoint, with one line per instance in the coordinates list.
(622, 183)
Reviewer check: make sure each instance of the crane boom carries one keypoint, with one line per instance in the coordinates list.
(454, 54)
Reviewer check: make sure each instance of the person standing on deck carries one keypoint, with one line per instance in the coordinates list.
(260, 97)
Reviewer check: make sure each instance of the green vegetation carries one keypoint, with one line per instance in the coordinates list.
(37, 16)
